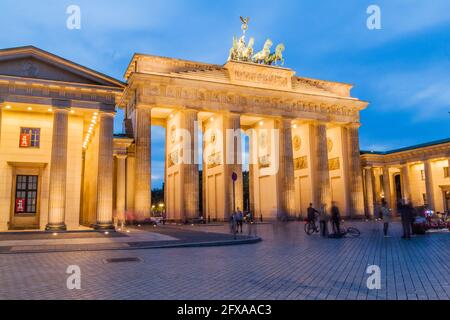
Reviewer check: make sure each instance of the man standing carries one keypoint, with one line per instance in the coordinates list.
(323, 216)
(312, 213)
(239, 219)
(405, 212)
(387, 214)
(336, 219)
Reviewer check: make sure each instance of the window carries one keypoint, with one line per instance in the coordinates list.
(446, 172)
(26, 194)
(422, 175)
(30, 138)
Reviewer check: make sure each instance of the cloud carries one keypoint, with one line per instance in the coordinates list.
(423, 92)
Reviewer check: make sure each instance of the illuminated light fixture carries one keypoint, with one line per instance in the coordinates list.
(50, 110)
(94, 117)
(8, 107)
(55, 234)
(72, 111)
(261, 123)
(106, 233)
(295, 126)
(171, 116)
(29, 108)
(212, 119)
(95, 113)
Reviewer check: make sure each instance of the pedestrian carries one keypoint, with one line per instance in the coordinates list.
(386, 216)
(312, 216)
(405, 212)
(233, 223)
(336, 219)
(323, 217)
(239, 219)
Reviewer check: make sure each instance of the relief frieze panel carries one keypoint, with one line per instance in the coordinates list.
(253, 103)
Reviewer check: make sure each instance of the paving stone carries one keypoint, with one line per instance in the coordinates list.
(286, 265)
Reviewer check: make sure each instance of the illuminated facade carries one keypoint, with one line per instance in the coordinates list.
(61, 167)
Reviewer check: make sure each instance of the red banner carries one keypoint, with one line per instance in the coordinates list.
(20, 205)
(25, 140)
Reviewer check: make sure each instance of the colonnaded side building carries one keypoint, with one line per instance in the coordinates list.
(62, 167)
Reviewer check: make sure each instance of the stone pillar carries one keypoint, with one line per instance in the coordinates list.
(121, 189)
(429, 184)
(369, 192)
(322, 183)
(190, 173)
(387, 187)
(233, 162)
(143, 192)
(253, 166)
(285, 177)
(406, 189)
(105, 172)
(58, 171)
(356, 189)
(1, 110)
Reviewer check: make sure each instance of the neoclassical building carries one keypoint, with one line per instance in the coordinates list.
(56, 142)
(61, 166)
(418, 174)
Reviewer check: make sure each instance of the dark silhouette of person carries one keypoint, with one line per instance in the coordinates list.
(336, 219)
(312, 215)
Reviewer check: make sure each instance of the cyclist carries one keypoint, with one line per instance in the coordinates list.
(312, 216)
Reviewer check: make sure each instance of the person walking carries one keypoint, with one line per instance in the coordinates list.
(233, 224)
(312, 216)
(386, 216)
(323, 217)
(336, 219)
(239, 219)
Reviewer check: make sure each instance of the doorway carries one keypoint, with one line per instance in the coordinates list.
(398, 189)
(447, 200)
(25, 211)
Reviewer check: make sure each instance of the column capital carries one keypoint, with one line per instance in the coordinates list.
(352, 125)
(121, 156)
(106, 114)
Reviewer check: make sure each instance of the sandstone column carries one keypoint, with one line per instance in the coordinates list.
(190, 173)
(356, 191)
(121, 189)
(233, 161)
(58, 171)
(105, 172)
(406, 189)
(322, 183)
(369, 192)
(142, 194)
(253, 166)
(429, 184)
(285, 177)
(387, 187)
(1, 110)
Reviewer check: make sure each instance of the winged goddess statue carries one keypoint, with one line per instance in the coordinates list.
(245, 22)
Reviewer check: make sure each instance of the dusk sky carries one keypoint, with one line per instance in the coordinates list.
(403, 70)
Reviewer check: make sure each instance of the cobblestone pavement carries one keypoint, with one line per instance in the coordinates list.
(286, 265)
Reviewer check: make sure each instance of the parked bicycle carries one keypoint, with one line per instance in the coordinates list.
(352, 232)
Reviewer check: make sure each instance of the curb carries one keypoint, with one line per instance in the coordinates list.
(211, 244)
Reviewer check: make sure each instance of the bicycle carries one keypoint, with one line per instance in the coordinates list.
(311, 227)
(352, 232)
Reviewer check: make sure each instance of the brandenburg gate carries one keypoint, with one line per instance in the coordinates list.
(303, 136)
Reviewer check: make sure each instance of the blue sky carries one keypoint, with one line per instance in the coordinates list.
(402, 69)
